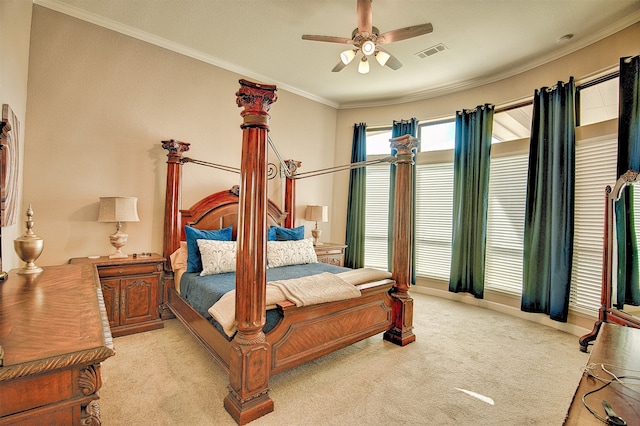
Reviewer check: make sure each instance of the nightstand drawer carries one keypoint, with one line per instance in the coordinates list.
(330, 253)
(115, 271)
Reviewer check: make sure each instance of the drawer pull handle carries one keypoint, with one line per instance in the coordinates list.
(120, 271)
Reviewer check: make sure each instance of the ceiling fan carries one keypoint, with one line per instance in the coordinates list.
(367, 39)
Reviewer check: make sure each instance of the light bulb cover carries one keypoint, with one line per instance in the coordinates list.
(368, 47)
(363, 66)
(347, 56)
(382, 57)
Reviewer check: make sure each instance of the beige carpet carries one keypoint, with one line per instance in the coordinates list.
(528, 370)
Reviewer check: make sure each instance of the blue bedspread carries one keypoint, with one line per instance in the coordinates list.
(202, 292)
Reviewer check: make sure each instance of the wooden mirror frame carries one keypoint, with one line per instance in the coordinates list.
(607, 313)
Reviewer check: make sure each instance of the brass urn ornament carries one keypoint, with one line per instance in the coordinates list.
(29, 247)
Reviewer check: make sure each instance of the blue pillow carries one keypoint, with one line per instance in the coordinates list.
(285, 234)
(194, 263)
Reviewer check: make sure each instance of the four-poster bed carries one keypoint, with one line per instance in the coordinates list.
(302, 333)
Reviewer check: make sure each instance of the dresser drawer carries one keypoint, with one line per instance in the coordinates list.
(115, 271)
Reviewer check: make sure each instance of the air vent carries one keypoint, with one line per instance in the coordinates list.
(431, 51)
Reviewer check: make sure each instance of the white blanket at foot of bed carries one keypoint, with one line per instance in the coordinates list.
(305, 291)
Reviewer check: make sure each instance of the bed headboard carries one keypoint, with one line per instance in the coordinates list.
(220, 210)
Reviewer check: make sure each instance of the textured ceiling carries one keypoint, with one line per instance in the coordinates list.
(261, 39)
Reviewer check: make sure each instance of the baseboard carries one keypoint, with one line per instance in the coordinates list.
(576, 325)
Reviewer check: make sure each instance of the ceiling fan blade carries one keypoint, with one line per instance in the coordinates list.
(339, 66)
(404, 33)
(329, 39)
(365, 16)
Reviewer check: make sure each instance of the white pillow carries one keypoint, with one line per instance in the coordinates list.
(217, 256)
(293, 252)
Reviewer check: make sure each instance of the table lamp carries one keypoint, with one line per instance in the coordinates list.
(317, 214)
(118, 209)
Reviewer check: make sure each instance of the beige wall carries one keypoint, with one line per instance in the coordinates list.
(592, 60)
(99, 103)
(15, 25)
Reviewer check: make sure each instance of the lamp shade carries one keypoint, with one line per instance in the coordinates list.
(382, 57)
(363, 66)
(118, 209)
(317, 214)
(347, 56)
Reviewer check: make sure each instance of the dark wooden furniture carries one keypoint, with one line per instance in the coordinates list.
(131, 289)
(608, 311)
(330, 253)
(617, 348)
(54, 332)
(303, 333)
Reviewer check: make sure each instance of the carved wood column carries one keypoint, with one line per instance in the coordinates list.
(172, 205)
(250, 357)
(402, 311)
(172, 197)
(290, 194)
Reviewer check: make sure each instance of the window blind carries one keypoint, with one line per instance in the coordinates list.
(434, 213)
(505, 223)
(376, 216)
(595, 169)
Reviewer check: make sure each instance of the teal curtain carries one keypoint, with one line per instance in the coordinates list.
(470, 199)
(354, 253)
(401, 128)
(549, 220)
(628, 287)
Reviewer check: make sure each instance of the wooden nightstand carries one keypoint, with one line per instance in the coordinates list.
(131, 289)
(330, 253)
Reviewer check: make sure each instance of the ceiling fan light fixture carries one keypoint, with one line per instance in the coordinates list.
(368, 47)
(363, 66)
(382, 57)
(347, 56)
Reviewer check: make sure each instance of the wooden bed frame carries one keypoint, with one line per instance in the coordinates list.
(304, 333)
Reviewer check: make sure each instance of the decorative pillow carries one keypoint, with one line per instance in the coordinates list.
(276, 233)
(217, 256)
(179, 257)
(271, 234)
(295, 252)
(194, 264)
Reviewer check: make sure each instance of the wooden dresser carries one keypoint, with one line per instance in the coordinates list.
(131, 289)
(331, 253)
(54, 334)
(618, 349)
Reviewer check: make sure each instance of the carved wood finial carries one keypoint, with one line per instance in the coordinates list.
(404, 146)
(175, 147)
(256, 99)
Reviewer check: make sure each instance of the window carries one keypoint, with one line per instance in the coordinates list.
(434, 200)
(598, 102)
(377, 200)
(434, 213)
(505, 223)
(512, 124)
(437, 136)
(376, 216)
(595, 169)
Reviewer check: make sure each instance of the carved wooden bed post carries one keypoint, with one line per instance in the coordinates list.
(250, 360)
(172, 204)
(172, 198)
(290, 194)
(402, 311)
